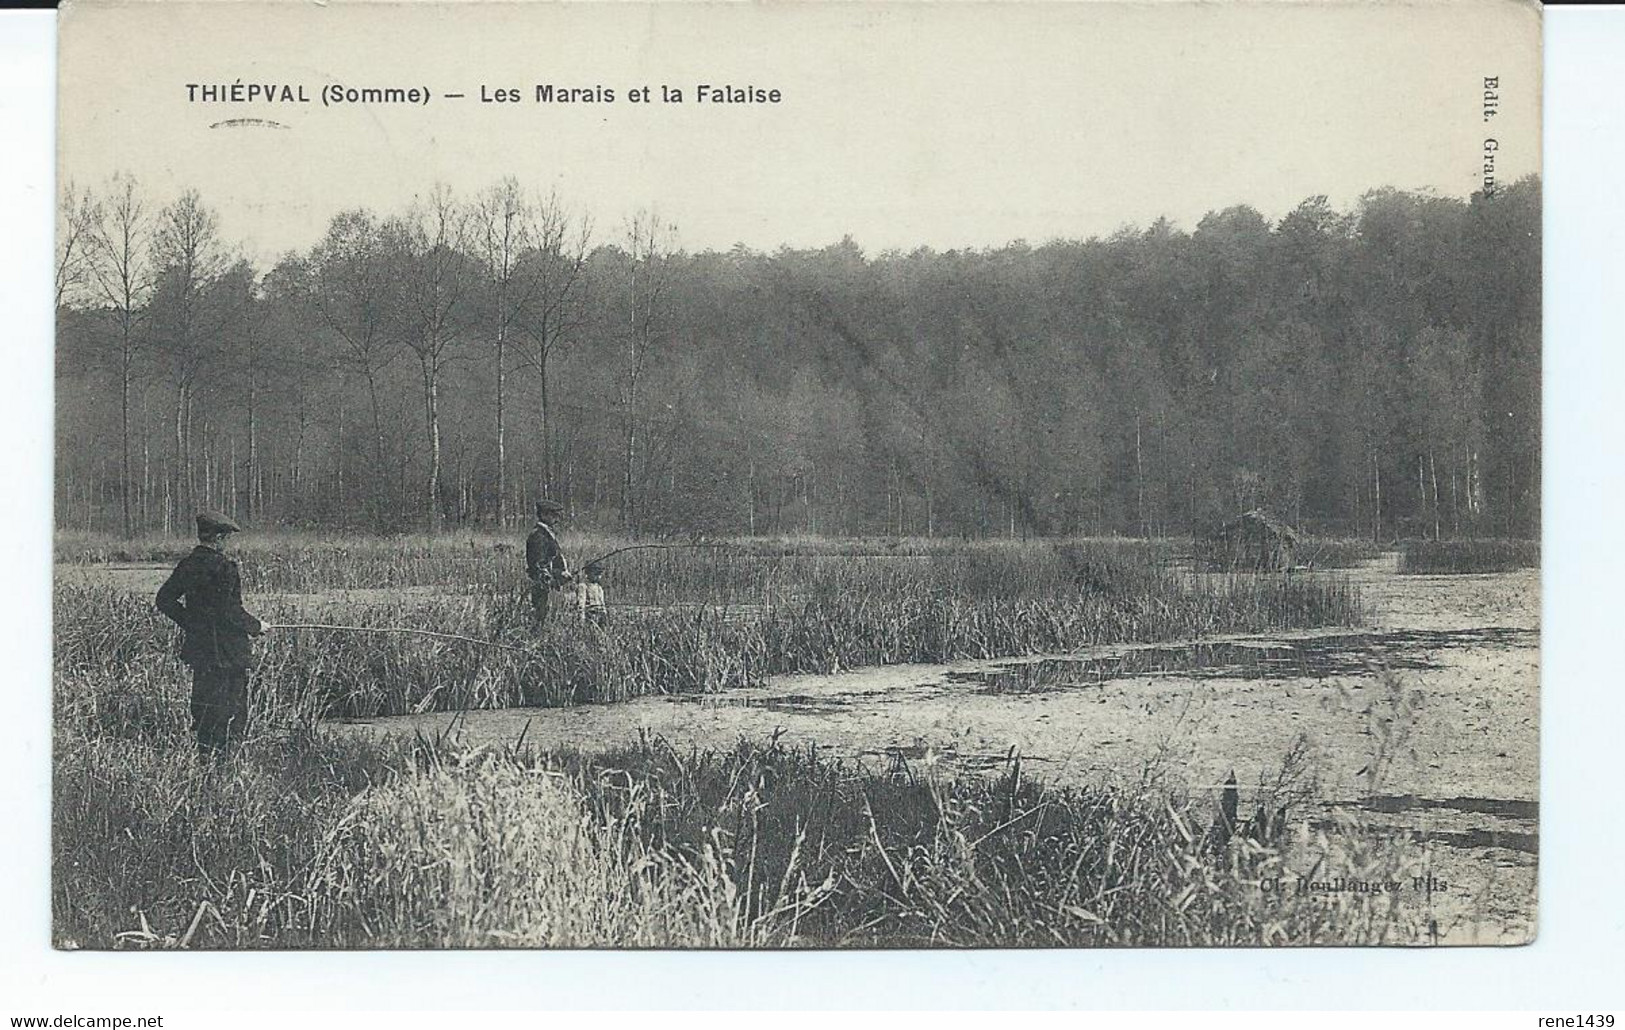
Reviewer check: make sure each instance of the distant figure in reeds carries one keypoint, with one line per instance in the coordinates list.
(544, 559)
(203, 596)
(590, 596)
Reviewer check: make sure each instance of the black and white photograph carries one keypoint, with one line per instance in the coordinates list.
(796, 475)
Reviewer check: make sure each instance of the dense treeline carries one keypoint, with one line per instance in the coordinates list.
(1373, 372)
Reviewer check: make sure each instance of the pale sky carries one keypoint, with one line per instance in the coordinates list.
(902, 125)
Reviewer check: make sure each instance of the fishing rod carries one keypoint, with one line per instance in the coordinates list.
(653, 547)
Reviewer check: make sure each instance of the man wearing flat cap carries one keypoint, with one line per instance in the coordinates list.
(203, 596)
(544, 559)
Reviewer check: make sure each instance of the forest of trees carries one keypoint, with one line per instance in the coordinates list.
(1374, 372)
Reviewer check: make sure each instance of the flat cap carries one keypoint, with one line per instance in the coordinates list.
(548, 509)
(213, 523)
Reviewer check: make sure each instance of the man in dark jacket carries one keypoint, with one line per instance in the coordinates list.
(203, 596)
(544, 559)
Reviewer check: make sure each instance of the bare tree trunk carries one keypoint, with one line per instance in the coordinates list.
(547, 429)
(253, 464)
(125, 484)
(891, 518)
(1433, 468)
(1455, 505)
(1510, 505)
(175, 468)
(1422, 488)
(1376, 514)
(188, 458)
(647, 250)
(431, 400)
(751, 489)
(146, 482)
(340, 462)
(902, 504)
(375, 502)
(502, 453)
(568, 471)
(1359, 513)
(209, 500)
(1475, 484)
(297, 473)
(629, 518)
(1139, 478)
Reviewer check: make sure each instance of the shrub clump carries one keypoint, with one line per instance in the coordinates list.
(1459, 557)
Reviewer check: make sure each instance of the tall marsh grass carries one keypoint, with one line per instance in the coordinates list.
(317, 841)
(684, 621)
(311, 839)
(1458, 557)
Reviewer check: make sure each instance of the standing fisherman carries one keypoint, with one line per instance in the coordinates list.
(203, 596)
(544, 559)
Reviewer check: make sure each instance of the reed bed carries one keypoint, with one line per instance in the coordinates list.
(734, 571)
(315, 841)
(1462, 557)
(311, 839)
(687, 622)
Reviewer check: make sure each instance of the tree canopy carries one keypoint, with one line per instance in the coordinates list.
(1374, 371)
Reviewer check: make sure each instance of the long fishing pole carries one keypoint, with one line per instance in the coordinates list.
(654, 547)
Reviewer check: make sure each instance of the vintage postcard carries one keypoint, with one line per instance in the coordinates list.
(797, 475)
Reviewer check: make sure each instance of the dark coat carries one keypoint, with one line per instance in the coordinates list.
(544, 558)
(204, 597)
